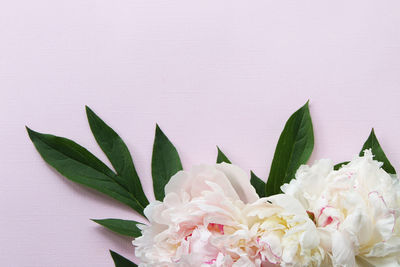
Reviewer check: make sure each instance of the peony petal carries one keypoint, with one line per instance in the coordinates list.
(310, 238)
(383, 249)
(289, 203)
(177, 183)
(392, 261)
(342, 249)
(240, 182)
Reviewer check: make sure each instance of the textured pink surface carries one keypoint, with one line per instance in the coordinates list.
(225, 73)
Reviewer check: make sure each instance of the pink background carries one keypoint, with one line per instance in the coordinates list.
(210, 72)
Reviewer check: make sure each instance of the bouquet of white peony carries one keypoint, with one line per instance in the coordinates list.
(218, 215)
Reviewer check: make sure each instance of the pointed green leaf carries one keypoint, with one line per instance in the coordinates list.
(221, 157)
(165, 163)
(118, 154)
(339, 165)
(79, 165)
(294, 148)
(120, 261)
(122, 227)
(258, 184)
(377, 151)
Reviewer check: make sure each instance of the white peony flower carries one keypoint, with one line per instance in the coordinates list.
(200, 207)
(355, 209)
(285, 234)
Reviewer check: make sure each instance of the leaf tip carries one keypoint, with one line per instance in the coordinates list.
(306, 105)
(30, 131)
(158, 130)
(88, 110)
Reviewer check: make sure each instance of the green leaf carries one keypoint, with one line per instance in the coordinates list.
(120, 261)
(373, 144)
(79, 165)
(258, 184)
(165, 163)
(294, 148)
(339, 165)
(221, 157)
(118, 154)
(122, 227)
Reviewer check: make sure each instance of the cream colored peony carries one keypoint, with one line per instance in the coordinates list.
(355, 209)
(285, 234)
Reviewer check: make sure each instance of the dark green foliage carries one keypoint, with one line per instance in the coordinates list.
(118, 154)
(120, 261)
(294, 148)
(122, 227)
(79, 165)
(165, 163)
(377, 151)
